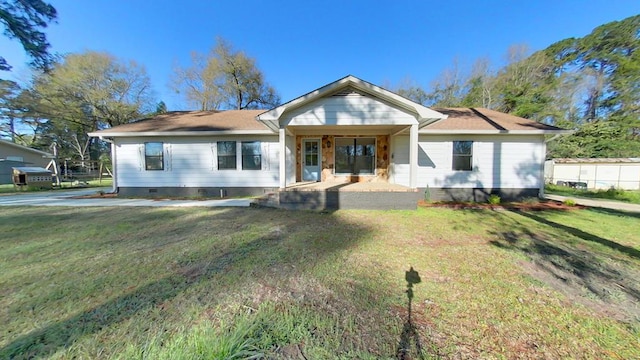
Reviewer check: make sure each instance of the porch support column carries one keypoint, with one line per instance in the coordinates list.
(283, 157)
(413, 156)
(543, 155)
(114, 167)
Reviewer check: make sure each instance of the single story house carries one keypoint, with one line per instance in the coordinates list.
(349, 131)
(16, 155)
(594, 173)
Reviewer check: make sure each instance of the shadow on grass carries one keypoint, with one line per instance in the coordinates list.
(190, 270)
(583, 235)
(573, 268)
(409, 336)
(616, 212)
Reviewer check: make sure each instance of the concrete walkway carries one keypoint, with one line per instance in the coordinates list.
(606, 204)
(67, 198)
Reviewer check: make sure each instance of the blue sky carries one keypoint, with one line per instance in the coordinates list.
(302, 45)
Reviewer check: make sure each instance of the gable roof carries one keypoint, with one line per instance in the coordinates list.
(486, 121)
(430, 121)
(423, 114)
(178, 123)
(26, 148)
(184, 123)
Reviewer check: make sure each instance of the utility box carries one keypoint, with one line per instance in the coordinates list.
(32, 178)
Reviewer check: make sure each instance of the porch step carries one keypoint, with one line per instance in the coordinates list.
(269, 199)
(334, 200)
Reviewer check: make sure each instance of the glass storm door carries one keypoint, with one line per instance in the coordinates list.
(311, 160)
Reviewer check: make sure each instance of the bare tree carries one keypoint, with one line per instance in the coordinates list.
(223, 79)
(448, 88)
(411, 90)
(198, 82)
(91, 91)
(480, 85)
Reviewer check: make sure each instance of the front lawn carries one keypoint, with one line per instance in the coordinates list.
(174, 283)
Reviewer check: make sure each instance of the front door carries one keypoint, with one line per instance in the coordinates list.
(311, 159)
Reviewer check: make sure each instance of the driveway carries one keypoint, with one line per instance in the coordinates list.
(606, 204)
(69, 198)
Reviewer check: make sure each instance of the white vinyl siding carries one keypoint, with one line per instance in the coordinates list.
(192, 162)
(506, 161)
(349, 110)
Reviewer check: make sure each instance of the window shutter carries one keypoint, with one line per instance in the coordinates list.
(141, 157)
(239, 155)
(264, 153)
(214, 156)
(168, 161)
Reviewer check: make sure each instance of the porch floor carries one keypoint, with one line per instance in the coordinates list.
(351, 187)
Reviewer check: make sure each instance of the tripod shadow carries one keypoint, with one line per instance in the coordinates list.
(409, 336)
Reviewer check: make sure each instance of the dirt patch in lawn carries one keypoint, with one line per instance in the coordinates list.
(614, 298)
(588, 268)
(522, 206)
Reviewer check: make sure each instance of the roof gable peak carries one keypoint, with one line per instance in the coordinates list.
(350, 86)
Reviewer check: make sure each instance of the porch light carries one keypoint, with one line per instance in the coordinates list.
(328, 143)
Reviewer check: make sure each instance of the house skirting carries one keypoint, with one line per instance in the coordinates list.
(477, 194)
(333, 200)
(211, 192)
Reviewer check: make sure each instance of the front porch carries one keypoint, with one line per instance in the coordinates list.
(331, 195)
(347, 187)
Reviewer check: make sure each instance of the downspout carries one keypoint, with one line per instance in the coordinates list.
(114, 185)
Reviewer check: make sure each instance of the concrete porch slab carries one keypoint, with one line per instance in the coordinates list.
(353, 187)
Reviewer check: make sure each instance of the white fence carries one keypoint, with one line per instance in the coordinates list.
(596, 175)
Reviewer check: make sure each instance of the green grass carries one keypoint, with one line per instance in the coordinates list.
(9, 188)
(630, 196)
(202, 283)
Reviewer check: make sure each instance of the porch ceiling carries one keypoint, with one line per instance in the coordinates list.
(347, 129)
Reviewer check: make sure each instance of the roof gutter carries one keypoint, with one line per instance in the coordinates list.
(179, 133)
(494, 132)
(103, 138)
(557, 135)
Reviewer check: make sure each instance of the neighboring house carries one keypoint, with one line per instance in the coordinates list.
(594, 173)
(347, 131)
(15, 155)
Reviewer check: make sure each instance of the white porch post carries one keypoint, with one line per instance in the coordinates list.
(114, 170)
(413, 156)
(283, 158)
(543, 156)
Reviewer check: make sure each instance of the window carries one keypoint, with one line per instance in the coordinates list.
(355, 155)
(311, 153)
(462, 155)
(226, 155)
(153, 156)
(251, 155)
